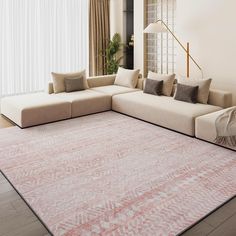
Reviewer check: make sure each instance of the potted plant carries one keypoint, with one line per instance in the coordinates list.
(112, 54)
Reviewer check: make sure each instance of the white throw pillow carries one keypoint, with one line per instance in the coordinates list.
(127, 78)
(203, 87)
(59, 80)
(168, 81)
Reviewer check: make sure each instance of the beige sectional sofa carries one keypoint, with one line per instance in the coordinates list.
(103, 95)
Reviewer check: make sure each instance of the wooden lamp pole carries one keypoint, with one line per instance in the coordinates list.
(188, 67)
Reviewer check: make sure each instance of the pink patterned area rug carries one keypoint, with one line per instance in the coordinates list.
(109, 174)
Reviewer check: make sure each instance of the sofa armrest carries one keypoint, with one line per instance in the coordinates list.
(220, 98)
(49, 89)
(103, 80)
(140, 84)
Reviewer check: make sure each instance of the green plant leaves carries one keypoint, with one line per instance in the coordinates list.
(114, 46)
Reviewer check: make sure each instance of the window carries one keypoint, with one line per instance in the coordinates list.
(40, 36)
(160, 50)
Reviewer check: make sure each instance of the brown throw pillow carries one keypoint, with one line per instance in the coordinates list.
(153, 87)
(74, 84)
(186, 93)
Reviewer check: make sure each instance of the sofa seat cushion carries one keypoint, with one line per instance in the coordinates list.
(114, 89)
(205, 126)
(34, 109)
(162, 110)
(86, 102)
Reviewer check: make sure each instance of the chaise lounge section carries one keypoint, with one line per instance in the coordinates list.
(35, 109)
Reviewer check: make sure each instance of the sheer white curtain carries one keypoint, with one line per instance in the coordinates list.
(40, 36)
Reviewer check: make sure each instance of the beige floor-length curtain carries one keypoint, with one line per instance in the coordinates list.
(99, 34)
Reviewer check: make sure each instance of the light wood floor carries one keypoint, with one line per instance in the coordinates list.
(16, 219)
(4, 123)
(220, 223)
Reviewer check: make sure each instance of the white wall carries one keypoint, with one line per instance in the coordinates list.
(117, 25)
(209, 26)
(116, 17)
(117, 21)
(138, 34)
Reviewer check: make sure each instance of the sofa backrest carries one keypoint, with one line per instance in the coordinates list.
(103, 80)
(218, 98)
(98, 81)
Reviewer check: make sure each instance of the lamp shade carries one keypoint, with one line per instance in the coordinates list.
(157, 27)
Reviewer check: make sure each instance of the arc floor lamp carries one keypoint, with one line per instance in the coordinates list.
(160, 27)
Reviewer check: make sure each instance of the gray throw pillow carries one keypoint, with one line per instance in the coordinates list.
(203, 87)
(74, 84)
(168, 81)
(153, 87)
(186, 93)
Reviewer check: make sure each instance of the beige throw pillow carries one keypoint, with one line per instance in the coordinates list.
(127, 78)
(203, 87)
(59, 80)
(168, 81)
